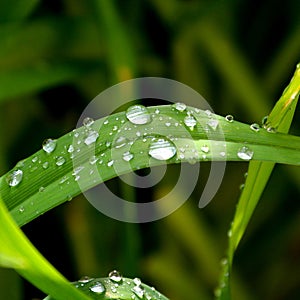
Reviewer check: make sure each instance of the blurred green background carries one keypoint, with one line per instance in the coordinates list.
(56, 56)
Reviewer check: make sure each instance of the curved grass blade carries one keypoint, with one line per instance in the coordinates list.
(116, 288)
(258, 175)
(17, 252)
(49, 179)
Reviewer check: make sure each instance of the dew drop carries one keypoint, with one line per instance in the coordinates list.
(87, 122)
(190, 122)
(71, 149)
(213, 124)
(97, 288)
(138, 114)
(229, 118)
(255, 127)
(49, 145)
(271, 129)
(264, 121)
(21, 209)
(127, 156)
(180, 106)
(205, 149)
(245, 153)
(14, 178)
(115, 276)
(138, 291)
(120, 142)
(45, 165)
(110, 163)
(91, 137)
(34, 159)
(137, 281)
(162, 149)
(208, 113)
(93, 159)
(41, 189)
(60, 161)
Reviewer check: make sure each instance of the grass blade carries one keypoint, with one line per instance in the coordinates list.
(18, 253)
(258, 175)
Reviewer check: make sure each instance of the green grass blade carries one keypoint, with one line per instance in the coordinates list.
(18, 253)
(120, 288)
(46, 183)
(258, 175)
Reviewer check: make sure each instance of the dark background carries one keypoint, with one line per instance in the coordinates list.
(56, 56)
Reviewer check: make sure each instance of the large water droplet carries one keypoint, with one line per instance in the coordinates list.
(87, 122)
(110, 163)
(60, 161)
(91, 137)
(71, 149)
(179, 106)
(97, 288)
(115, 276)
(49, 145)
(138, 114)
(138, 291)
(245, 153)
(162, 149)
(14, 178)
(45, 165)
(190, 121)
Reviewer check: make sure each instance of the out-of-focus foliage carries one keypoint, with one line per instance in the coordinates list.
(56, 56)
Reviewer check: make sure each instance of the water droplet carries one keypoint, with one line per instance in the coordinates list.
(271, 129)
(41, 189)
(91, 137)
(162, 149)
(137, 281)
(21, 209)
(138, 291)
(179, 106)
(49, 145)
(157, 111)
(205, 149)
(213, 124)
(208, 113)
(77, 170)
(71, 149)
(245, 153)
(97, 288)
(87, 122)
(120, 142)
(93, 159)
(138, 114)
(190, 121)
(60, 161)
(110, 163)
(242, 186)
(222, 153)
(255, 127)
(229, 233)
(45, 165)
(14, 178)
(264, 121)
(115, 276)
(229, 118)
(127, 156)
(34, 159)
(168, 124)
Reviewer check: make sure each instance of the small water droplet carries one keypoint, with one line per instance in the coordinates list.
(222, 153)
(229, 233)
(190, 121)
(93, 159)
(138, 291)
(213, 124)
(71, 149)
(34, 159)
(110, 163)
(242, 186)
(138, 114)
(168, 124)
(264, 121)
(14, 178)
(49, 145)
(255, 127)
(120, 142)
(91, 137)
(271, 129)
(127, 156)
(180, 106)
(162, 149)
(45, 165)
(41, 189)
(157, 111)
(208, 113)
(21, 209)
(137, 281)
(245, 153)
(229, 118)
(60, 161)
(205, 149)
(87, 122)
(97, 288)
(115, 276)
